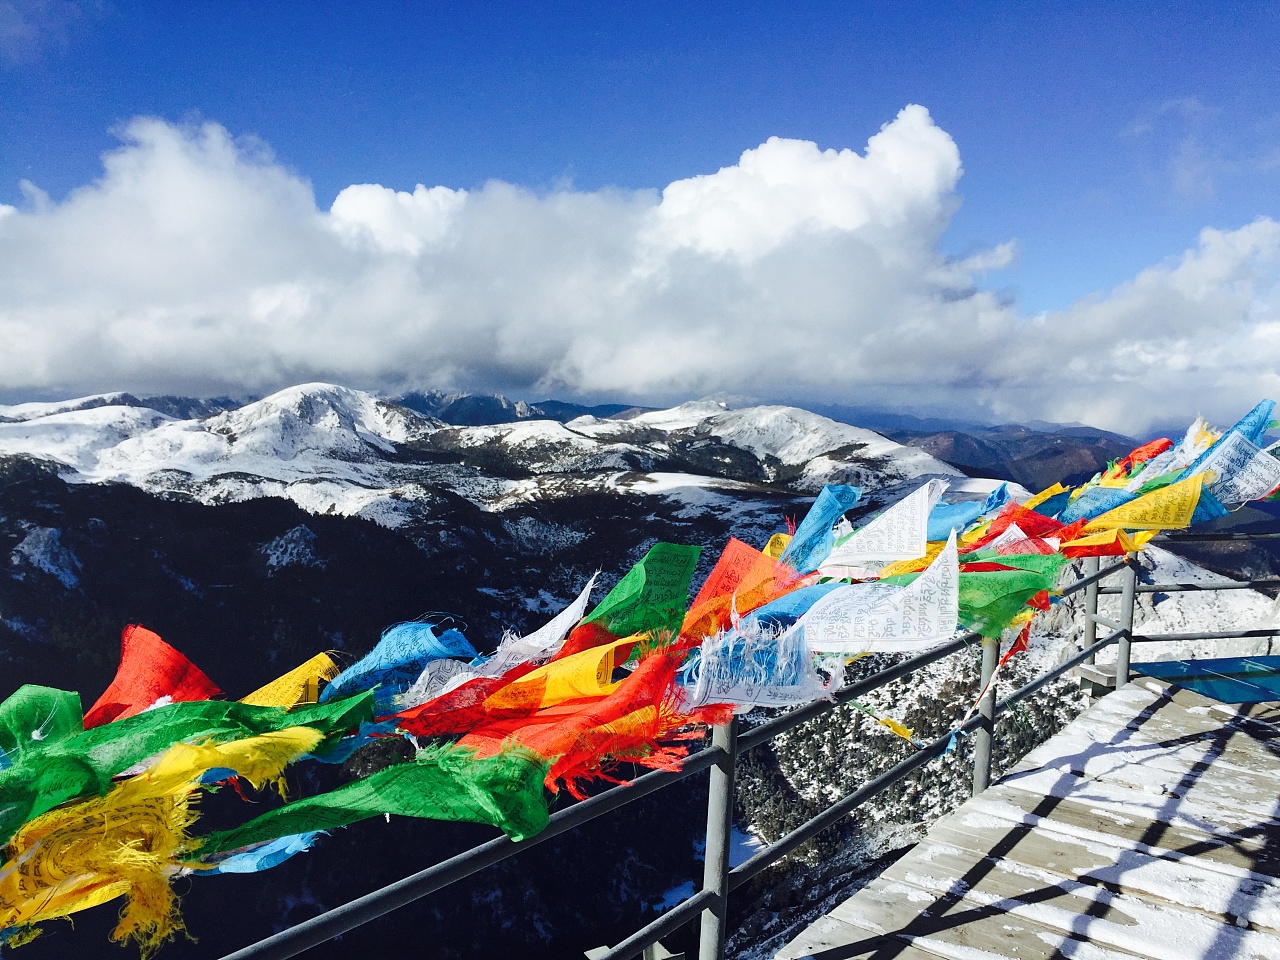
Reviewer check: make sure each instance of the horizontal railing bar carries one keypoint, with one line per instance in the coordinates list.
(846, 805)
(339, 920)
(1187, 587)
(843, 807)
(750, 739)
(1205, 537)
(1105, 621)
(1079, 657)
(1083, 582)
(1216, 635)
(332, 923)
(655, 930)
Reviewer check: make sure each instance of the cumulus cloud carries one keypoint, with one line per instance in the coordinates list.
(1199, 333)
(198, 264)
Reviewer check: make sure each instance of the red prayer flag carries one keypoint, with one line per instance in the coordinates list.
(1144, 453)
(150, 670)
(1029, 522)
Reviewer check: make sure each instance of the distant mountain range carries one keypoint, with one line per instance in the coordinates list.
(475, 410)
(1033, 454)
(335, 450)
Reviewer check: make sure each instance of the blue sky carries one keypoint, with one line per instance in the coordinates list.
(1101, 138)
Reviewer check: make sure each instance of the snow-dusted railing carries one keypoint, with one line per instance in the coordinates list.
(1130, 583)
(728, 743)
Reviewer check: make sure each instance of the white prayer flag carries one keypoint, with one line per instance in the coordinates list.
(900, 533)
(441, 676)
(1242, 470)
(881, 618)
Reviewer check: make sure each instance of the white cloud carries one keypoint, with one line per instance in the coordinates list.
(783, 188)
(198, 264)
(1200, 333)
(394, 220)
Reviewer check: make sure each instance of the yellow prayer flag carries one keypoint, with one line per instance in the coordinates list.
(1168, 508)
(1205, 436)
(1106, 538)
(906, 733)
(1022, 618)
(299, 685)
(129, 842)
(1044, 495)
(588, 673)
(913, 566)
(777, 543)
(1118, 481)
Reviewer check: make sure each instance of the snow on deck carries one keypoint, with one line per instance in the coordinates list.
(1149, 827)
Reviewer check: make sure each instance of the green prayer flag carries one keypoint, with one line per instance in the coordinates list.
(442, 783)
(82, 764)
(653, 595)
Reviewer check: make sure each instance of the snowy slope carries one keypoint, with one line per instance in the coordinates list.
(35, 411)
(795, 445)
(76, 438)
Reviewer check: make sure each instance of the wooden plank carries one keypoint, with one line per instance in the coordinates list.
(1145, 705)
(1173, 774)
(835, 938)
(1177, 725)
(1162, 792)
(1210, 815)
(1139, 699)
(952, 927)
(1114, 920)
(1086, 749)
(1156, 719)
(1266, 712)
(1108, 861)
(1246, 849)
(1233, 747)
(1226, 755)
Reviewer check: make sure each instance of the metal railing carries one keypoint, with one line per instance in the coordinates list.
(728, 743)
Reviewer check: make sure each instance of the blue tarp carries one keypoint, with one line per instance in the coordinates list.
(1227, 679)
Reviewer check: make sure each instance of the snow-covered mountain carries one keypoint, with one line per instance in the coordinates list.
(335, 450)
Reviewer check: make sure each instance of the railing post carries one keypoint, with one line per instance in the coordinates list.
(715, 870)
(1090, 605)
(1128, 587)
(986, 710)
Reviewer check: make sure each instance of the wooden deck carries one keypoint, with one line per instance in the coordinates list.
(1149, 827)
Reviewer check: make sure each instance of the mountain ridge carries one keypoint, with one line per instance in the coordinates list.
(333, 449)
(1032, 454)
